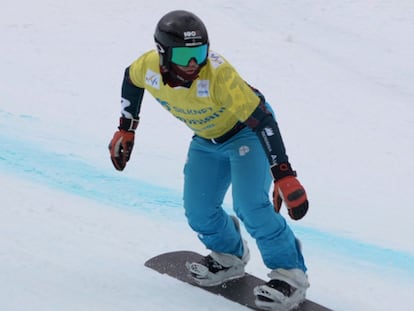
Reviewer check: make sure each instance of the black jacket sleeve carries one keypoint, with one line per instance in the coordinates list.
(263, 123)
(131, 97)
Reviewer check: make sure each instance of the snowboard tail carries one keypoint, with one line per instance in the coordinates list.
(237, 290)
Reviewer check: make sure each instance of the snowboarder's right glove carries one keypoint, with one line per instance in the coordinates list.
(121, 145)
(289, 189)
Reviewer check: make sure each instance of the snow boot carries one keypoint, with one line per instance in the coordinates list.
(284, 292)
(217, 268)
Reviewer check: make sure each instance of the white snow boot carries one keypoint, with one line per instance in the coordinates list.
(285, 290)
(217, 268)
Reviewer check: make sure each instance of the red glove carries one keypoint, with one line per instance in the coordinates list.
(289, 189)
(121, 145)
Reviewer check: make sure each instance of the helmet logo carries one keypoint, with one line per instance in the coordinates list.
(159, 48)
(192, 35)
(189, 34)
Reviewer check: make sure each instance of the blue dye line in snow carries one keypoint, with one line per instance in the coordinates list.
(73, 175)
(355, 252)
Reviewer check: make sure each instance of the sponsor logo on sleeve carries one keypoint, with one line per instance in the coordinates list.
(269, 131)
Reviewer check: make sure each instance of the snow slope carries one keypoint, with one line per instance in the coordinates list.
(74, 233)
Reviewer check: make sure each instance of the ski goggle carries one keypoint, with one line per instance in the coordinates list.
(182, 55)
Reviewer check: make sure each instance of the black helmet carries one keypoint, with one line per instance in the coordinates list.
(181, 29)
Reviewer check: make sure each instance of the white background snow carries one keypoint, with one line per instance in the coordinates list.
(74, 233)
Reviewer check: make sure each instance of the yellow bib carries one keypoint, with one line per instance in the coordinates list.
(213, 104)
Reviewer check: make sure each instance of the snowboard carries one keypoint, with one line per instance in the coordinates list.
(238, 290)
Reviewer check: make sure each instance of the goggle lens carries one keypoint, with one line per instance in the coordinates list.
(182, 55)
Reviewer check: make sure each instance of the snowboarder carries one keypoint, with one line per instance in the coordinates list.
(236, 142)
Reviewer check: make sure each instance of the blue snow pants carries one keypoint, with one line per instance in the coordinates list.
(241, 162)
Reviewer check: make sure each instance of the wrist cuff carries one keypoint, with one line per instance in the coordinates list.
(282, 170)
(129, 125)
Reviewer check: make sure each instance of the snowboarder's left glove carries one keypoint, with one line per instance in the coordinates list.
(289, 189)
(121, 145)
